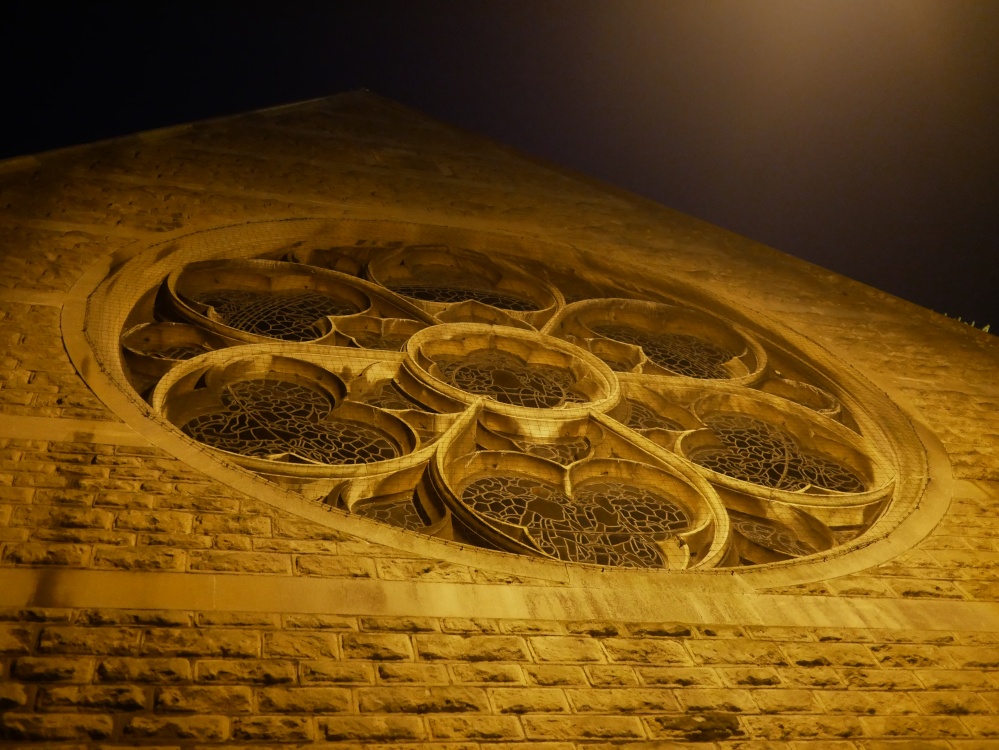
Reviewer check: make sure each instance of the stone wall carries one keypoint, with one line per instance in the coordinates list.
(145, 602)
(170, 677)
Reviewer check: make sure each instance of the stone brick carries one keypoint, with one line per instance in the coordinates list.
(213, 642)
(982, 726)
(991, 698)
(325, 671)
(917, 588)
(785, 701)
(62, 517)
(914, 726)
(553, 675)
(238, 619)
(422, 570)
(197, 728)
(608, 675)
(881, 679)
(583, 727)
(193, 497)
(680, 677)
(528, 700)
(377, 646)
(869, 702)
(736, 652)
(76, 640)
(660, 629)
(937, 637)
(957, 703)
(750, 677)
(843, 635)
(276, 728)
(159, 521)
(46, 554)
(566, 649)
(472, 648)
(12, 695)
(328, 566)
(232, 542)
(319, 622)
(18, 494)
(155, 617)
(983, 590)
(139, 558)
(53, 669)
(301, 645)
(531, 627)
(421, 700)
(486, 728)
(802, 727)
(646, 651)
(828, 655)
(624, 701)
(910, 656)
(775, 633)
(204, 700)
(178, 541)
(954, 679)
(144, 670)
(303, 700)
(695, 728)
(55, 727)
(239, 562)
(227, 523)
(424, 674)
(293, 527)
(366, 728)
(399, 624)
(249, 671)
(721, 631)
(36, 614)
(16, 639)
(92, 697)
(714, 700)
(489, 674)
(83, 536)
(974, 657)
(468, 625)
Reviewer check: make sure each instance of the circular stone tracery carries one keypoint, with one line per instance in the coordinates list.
(679, 353)
(286, 315)
(510, 380)
(763, 454)
(457, 287)
(483, 342)
(513, 368)
(265, 418)
(603, 523)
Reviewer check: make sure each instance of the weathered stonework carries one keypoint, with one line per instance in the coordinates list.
(146, 599)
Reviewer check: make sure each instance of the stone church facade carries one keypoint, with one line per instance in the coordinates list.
(333, 425)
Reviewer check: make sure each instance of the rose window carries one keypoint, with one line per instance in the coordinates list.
(463, 394)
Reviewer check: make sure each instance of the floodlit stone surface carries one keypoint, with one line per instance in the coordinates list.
(156, 592)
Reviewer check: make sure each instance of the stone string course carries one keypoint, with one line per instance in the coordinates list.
(94, 677)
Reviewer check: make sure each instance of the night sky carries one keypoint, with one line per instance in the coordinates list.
(861, 135)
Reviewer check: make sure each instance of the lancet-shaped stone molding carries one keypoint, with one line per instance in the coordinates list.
(448, 383)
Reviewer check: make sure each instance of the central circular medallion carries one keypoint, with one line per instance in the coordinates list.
(517, 370)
